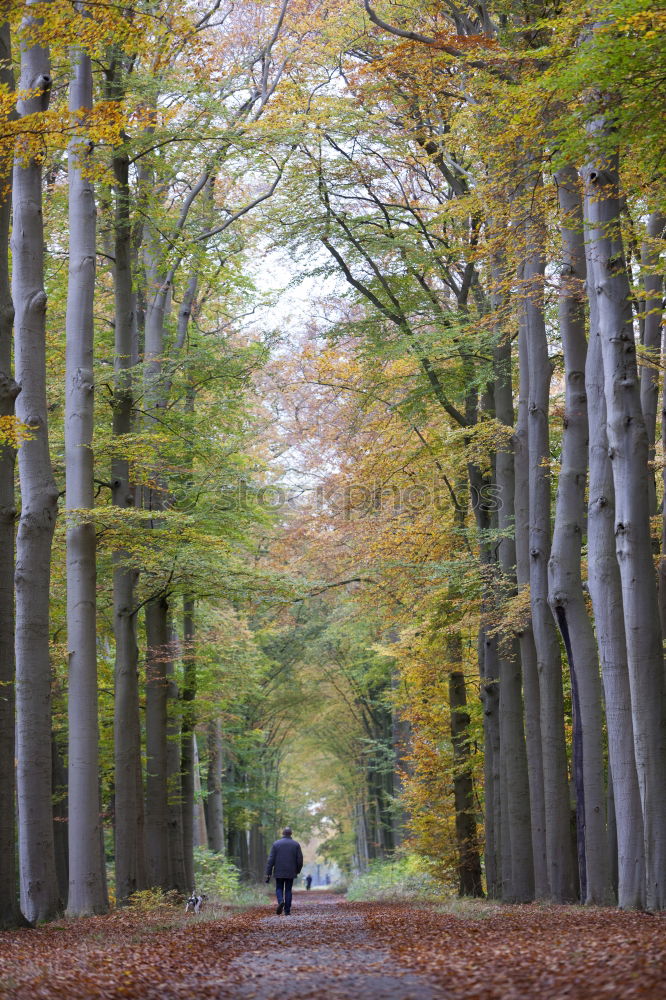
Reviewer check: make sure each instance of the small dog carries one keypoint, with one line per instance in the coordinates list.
(195, 903)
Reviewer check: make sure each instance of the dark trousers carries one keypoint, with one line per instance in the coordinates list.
(283, 892)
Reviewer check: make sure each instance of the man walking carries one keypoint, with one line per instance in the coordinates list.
(286, 860)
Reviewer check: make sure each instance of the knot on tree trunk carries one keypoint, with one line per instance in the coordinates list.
(42, 84)
(84, 380)
(34, 423)
(38, 301)
(596, 176)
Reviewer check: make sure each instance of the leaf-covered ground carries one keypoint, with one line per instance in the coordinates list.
(331, 949)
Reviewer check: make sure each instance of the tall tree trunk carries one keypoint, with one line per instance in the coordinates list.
(401, 741)
(606, 593)
(361, 836)
(628, 442)
(87, 879)
(10, 914)
(652, 318)
(39, 497)
(215, 814)
(564, 569)
(654, 340)
(489, 669)
(489, 662)
(187, 738)
(528, 658)
(257, 851)
(177, 869)
(199, 818)
(129, 827)
(556, 792)
(517, 864)
(157, 624)
(189, 659)
(469, 861)
(157, 805)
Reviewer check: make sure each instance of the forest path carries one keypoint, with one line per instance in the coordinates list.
(334, 950)
(322, 949)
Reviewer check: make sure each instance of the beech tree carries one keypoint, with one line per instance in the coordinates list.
(9, 911)
(87, 877)
(39, 495)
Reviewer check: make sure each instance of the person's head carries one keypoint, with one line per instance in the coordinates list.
(286, 832)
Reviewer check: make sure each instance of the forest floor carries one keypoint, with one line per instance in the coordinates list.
(334, 950)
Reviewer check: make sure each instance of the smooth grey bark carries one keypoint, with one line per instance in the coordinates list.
(157, 624)
(185, 310)
(361, 836)
(87, 878)
(612, 832)
(564, 567)
(157, 800)
(129, 805)
(158, 297)
(654, 341)
(652, 314)
(177, 869)
(188, 715)
(628, 441)
(605, 589)
(39, 496)
(214, 811)
(10, 914)
(517, 859)
(189, 659)
(549, 666)
(528, 658)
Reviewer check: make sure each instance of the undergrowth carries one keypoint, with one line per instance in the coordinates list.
(400, 879)
(221, 881)
(215, 877)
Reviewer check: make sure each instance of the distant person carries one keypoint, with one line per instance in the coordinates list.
(308, 882)
(328, 879)
(285, 861)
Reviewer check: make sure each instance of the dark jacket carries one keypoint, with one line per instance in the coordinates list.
(286, 858)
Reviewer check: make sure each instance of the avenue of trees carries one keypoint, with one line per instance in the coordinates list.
(395, 556)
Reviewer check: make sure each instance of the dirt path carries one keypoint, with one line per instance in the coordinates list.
(323, 949)
(330, 949)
